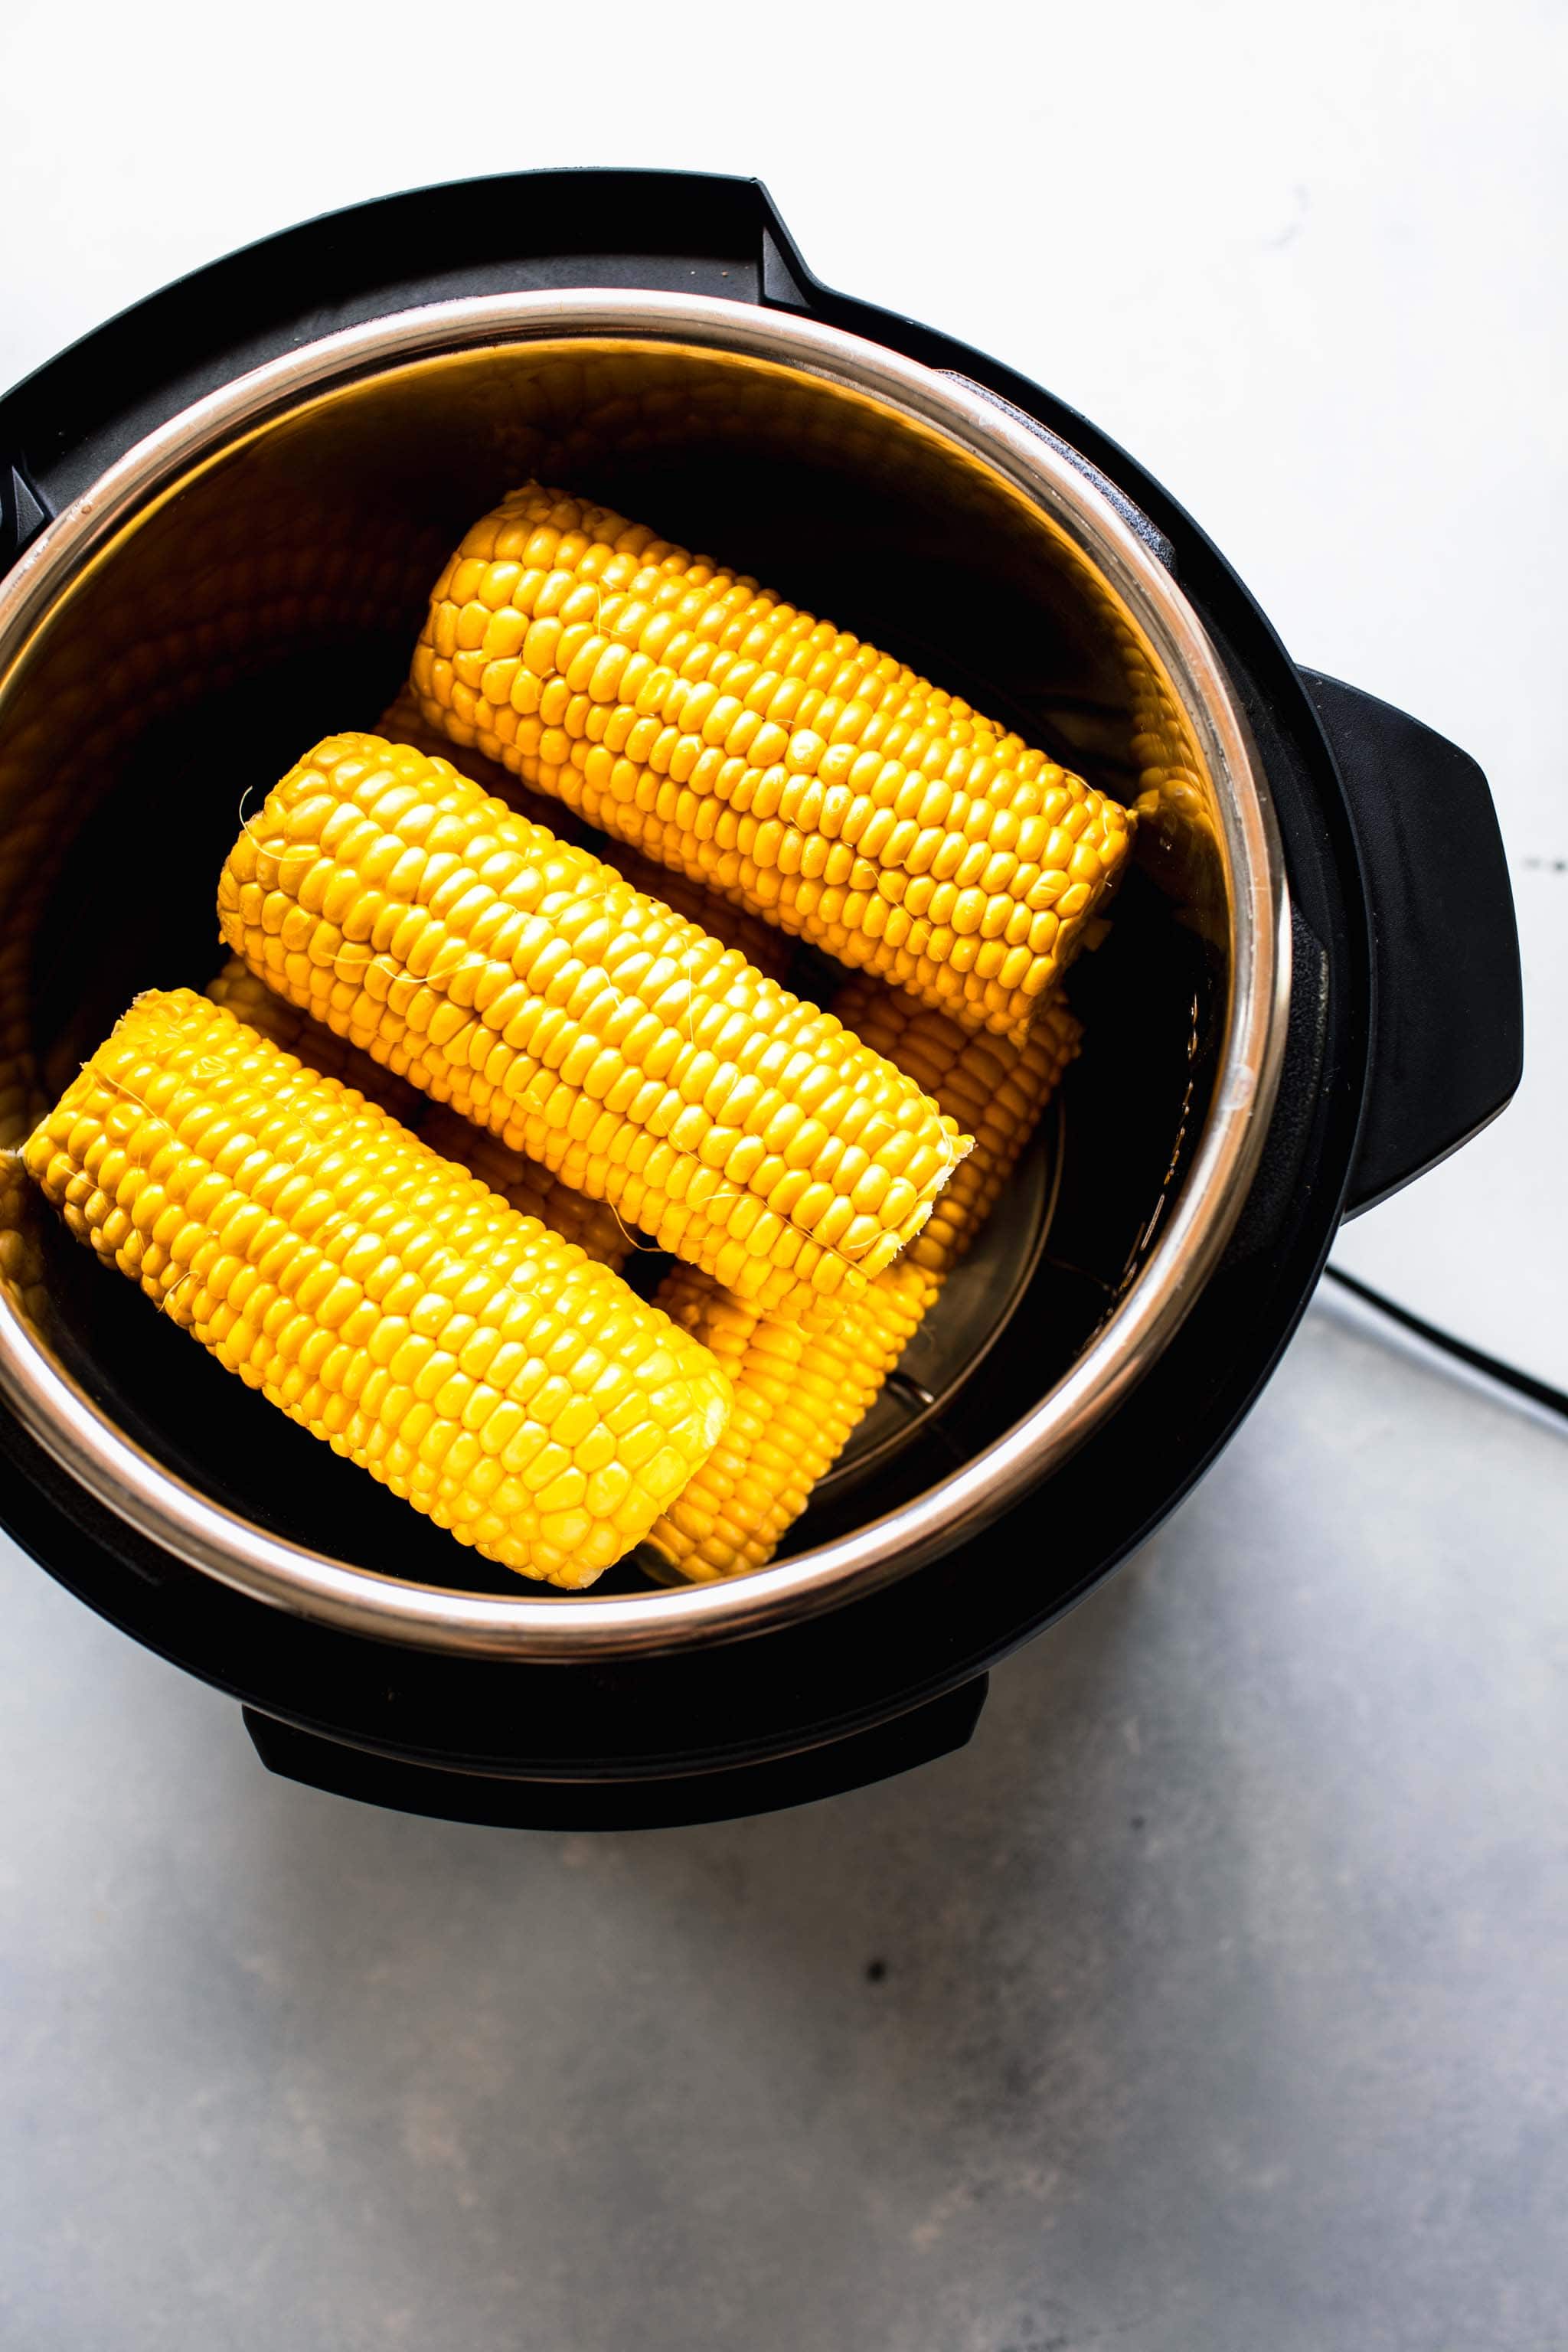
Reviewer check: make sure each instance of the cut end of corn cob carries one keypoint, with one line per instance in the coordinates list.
(475, 1363)
(817, 782)
(624, 1049)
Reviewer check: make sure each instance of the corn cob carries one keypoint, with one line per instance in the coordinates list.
(799, 1396)
(530, 1189)
(524, 982)
(993, 1089)
(782, 761)
(764, 950)
(481, 1368)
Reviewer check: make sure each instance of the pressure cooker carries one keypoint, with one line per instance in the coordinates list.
(220, 517)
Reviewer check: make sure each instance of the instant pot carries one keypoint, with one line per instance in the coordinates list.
(220, 517)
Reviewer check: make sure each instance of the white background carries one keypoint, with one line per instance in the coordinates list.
(1307, 264)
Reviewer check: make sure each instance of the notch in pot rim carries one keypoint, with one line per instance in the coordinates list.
(171, 1513)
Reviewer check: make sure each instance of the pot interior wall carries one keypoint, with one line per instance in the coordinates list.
(274, 596)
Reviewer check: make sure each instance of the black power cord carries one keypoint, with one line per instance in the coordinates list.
(1540, 1392)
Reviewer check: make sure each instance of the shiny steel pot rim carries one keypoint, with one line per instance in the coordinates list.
(173, 1515)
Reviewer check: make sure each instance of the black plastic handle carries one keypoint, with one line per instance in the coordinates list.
(404, 1785)
(1447, 1025)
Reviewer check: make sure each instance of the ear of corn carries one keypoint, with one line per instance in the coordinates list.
(479, 1366)
(798, 1398)
(730, 737)
(799, 1395)
(768, 951)
(525, 983)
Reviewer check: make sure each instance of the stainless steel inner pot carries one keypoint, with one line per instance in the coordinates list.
(259, 566)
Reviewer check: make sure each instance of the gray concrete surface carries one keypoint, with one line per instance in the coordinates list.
(1213, 2001)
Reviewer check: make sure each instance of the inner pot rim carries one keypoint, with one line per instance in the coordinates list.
(130, 1481)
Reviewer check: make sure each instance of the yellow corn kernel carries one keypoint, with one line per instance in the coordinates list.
(778, 760)
(526, 985)
(384, 1299)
